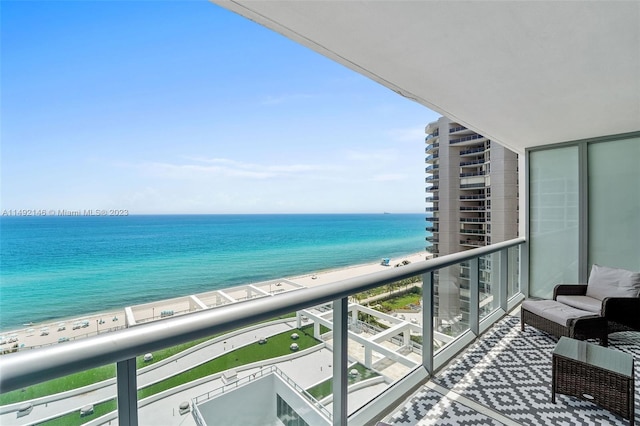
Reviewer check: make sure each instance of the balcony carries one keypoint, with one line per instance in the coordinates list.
(457, 129)
(472, 185)
(468, 386)
(472, 197)
(432, 178)
(472, 208)
(471, 151)
(433, 198)
(26, 368)
(431, 158)
(466, 139)
(472, 174)
(472, 163)
(473, 243)
(431, 147)
(432, 167)
(472, 219)
(473, 231)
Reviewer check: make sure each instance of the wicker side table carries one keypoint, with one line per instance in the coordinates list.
(592, 373)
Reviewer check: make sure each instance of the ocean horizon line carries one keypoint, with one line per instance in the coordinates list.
(31, 213)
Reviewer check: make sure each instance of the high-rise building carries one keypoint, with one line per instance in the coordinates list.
(472, 201)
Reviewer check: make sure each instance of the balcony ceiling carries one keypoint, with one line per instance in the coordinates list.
(521, 73)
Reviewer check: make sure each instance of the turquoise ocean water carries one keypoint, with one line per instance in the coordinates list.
(61, 267)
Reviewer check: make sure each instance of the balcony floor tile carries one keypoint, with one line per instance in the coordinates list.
(506, 376)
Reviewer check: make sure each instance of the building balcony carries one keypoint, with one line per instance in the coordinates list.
(473, 243)
(432, 198)
(431, 147)
(432, 249)
(431, 158)
(473, 231)
(466, 139)
(473, 185)
(432, 239)
(432, 178)
(457, 129)
(430, 209)
(471, 151)
(473, 219)
(472, 163)
(432, 167)
(471, 174)
(472, 208)
(431, 229)
(472, 197)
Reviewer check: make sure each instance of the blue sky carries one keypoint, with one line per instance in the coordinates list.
(184, 107)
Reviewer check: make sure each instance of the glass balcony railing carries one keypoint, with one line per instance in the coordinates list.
(473, 219)
(466, 139)
(471, 151)
(457, 129)
(431, 147)
(472, 163)
(431, 158)
(343, 349)
(471, 174)
(472, 185)
(473, 231)
(473, 197)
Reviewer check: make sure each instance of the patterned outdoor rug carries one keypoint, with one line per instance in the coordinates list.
(509, 371)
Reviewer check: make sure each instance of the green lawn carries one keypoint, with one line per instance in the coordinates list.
(276, 346)
(85, 378)
(401, 302)
(74, 418)
(88, 377)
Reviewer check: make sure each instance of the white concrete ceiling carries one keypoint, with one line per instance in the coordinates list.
(523, 73)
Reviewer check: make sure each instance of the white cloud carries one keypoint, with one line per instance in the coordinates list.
(198, 167)
(409, 134)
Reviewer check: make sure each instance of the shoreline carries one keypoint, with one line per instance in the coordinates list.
(65, 329)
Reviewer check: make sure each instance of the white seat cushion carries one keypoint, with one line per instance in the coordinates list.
(612, 282)
(585, 303)
(554, 311)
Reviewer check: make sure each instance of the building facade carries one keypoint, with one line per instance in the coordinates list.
(472, 201)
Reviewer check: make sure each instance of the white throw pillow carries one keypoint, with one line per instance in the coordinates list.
(612, 282)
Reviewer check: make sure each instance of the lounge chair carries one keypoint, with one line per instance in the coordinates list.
(609, 302)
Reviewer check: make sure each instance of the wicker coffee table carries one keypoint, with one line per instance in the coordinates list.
(592, 373)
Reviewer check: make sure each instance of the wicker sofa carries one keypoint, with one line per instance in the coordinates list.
(609, 302)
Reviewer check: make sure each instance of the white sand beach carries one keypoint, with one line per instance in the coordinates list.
(58, 331)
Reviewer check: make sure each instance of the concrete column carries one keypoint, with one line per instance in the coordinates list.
(368, 356)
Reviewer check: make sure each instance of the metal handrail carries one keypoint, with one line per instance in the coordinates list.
(24, 369)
